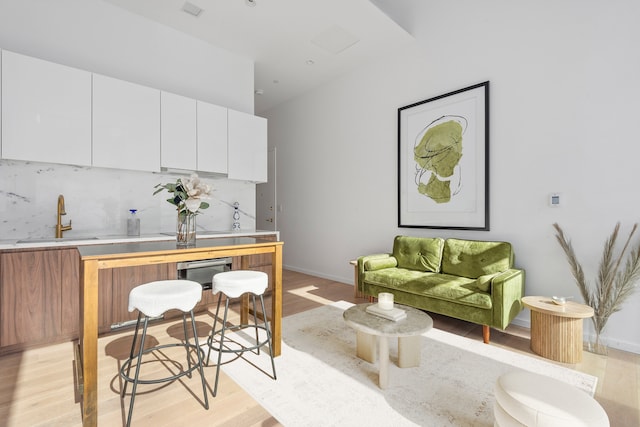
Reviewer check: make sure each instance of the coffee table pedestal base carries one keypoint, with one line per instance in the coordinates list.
(408, 353)
(373, 334)
(366, 346)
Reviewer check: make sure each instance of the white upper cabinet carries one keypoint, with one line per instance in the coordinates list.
(46, 111)
(212, 138)
(177, 131)
(247, 145)
(57, 114)
(126, 125)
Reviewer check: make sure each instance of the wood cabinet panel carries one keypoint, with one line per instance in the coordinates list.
(261, 262)
(40, 296)
(125, 279)
(105, 300)
(30, 305)
(70, 281)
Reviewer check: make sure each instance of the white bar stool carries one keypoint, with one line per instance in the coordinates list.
(152, 300)
(234, 284)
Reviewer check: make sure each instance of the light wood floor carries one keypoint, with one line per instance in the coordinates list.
(36, 387)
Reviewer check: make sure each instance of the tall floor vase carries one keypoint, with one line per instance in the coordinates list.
(597, 345)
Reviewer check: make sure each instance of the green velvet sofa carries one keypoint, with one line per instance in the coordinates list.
(466, 279)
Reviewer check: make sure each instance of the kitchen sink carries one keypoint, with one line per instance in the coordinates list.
(55, 239)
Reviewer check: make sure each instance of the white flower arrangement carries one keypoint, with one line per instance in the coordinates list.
(188, 194)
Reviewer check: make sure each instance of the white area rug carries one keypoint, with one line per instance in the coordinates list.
(320, 381)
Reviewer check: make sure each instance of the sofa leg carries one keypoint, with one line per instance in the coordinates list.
(486, 332)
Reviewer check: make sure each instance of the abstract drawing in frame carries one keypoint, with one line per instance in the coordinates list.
(443, 161)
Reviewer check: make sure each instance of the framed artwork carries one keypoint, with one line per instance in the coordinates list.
(443, 161)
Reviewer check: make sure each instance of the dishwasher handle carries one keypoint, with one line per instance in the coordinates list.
(203, 263)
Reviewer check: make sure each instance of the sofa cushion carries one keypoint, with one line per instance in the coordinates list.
(380, 263)
(484, 282)
(460, 290)
(418, 253)
(472, 259)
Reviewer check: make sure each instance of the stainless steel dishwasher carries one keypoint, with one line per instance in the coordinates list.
(202, 271)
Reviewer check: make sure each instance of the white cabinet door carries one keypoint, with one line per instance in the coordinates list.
(126, 125)
(178, 131)
(46, 111)
(247, 147)
(212, 138)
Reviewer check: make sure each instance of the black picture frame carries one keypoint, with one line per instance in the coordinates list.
(443, 161)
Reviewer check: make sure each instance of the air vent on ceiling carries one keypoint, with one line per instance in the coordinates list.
(191, 9)
(335, 39)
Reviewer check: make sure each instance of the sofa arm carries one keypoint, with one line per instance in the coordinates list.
(373, 262)
(507, 290)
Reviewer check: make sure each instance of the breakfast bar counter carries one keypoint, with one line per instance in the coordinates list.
(96, 257)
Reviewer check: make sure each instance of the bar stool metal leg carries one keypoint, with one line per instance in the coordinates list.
(236, 284)
(200, 354)
(186, 341)
(255, 322)
(133, 346)
(213, 329)
(266, 326)
(220, 351)
(137, 374)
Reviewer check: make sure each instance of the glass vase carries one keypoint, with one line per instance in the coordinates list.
(186, 230)
(597, 345)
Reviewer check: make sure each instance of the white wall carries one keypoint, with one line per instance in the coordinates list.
(564, 100)
(96, 36)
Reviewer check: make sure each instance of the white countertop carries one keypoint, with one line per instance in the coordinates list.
(99, 240)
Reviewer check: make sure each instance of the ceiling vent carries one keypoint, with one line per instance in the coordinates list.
(335, 39)
(191, 9)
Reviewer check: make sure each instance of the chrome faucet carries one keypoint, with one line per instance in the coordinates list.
(59, 227)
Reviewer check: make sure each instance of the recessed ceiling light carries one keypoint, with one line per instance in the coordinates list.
(191, 9)
(259, 92)
(250, 3)
(310, 62)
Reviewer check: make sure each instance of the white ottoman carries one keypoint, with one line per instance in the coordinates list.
(532, 400)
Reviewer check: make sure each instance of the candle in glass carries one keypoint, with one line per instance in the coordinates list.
(385, 300)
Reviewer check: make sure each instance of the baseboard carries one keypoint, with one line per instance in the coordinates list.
(347, 281)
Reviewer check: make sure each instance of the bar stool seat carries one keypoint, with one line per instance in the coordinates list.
(152, 300)
(233, 284)
(533, 400)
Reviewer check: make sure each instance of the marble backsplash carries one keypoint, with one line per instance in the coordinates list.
(98, 200)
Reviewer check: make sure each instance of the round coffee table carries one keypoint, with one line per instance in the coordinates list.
(556, 330)
(372, 330)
